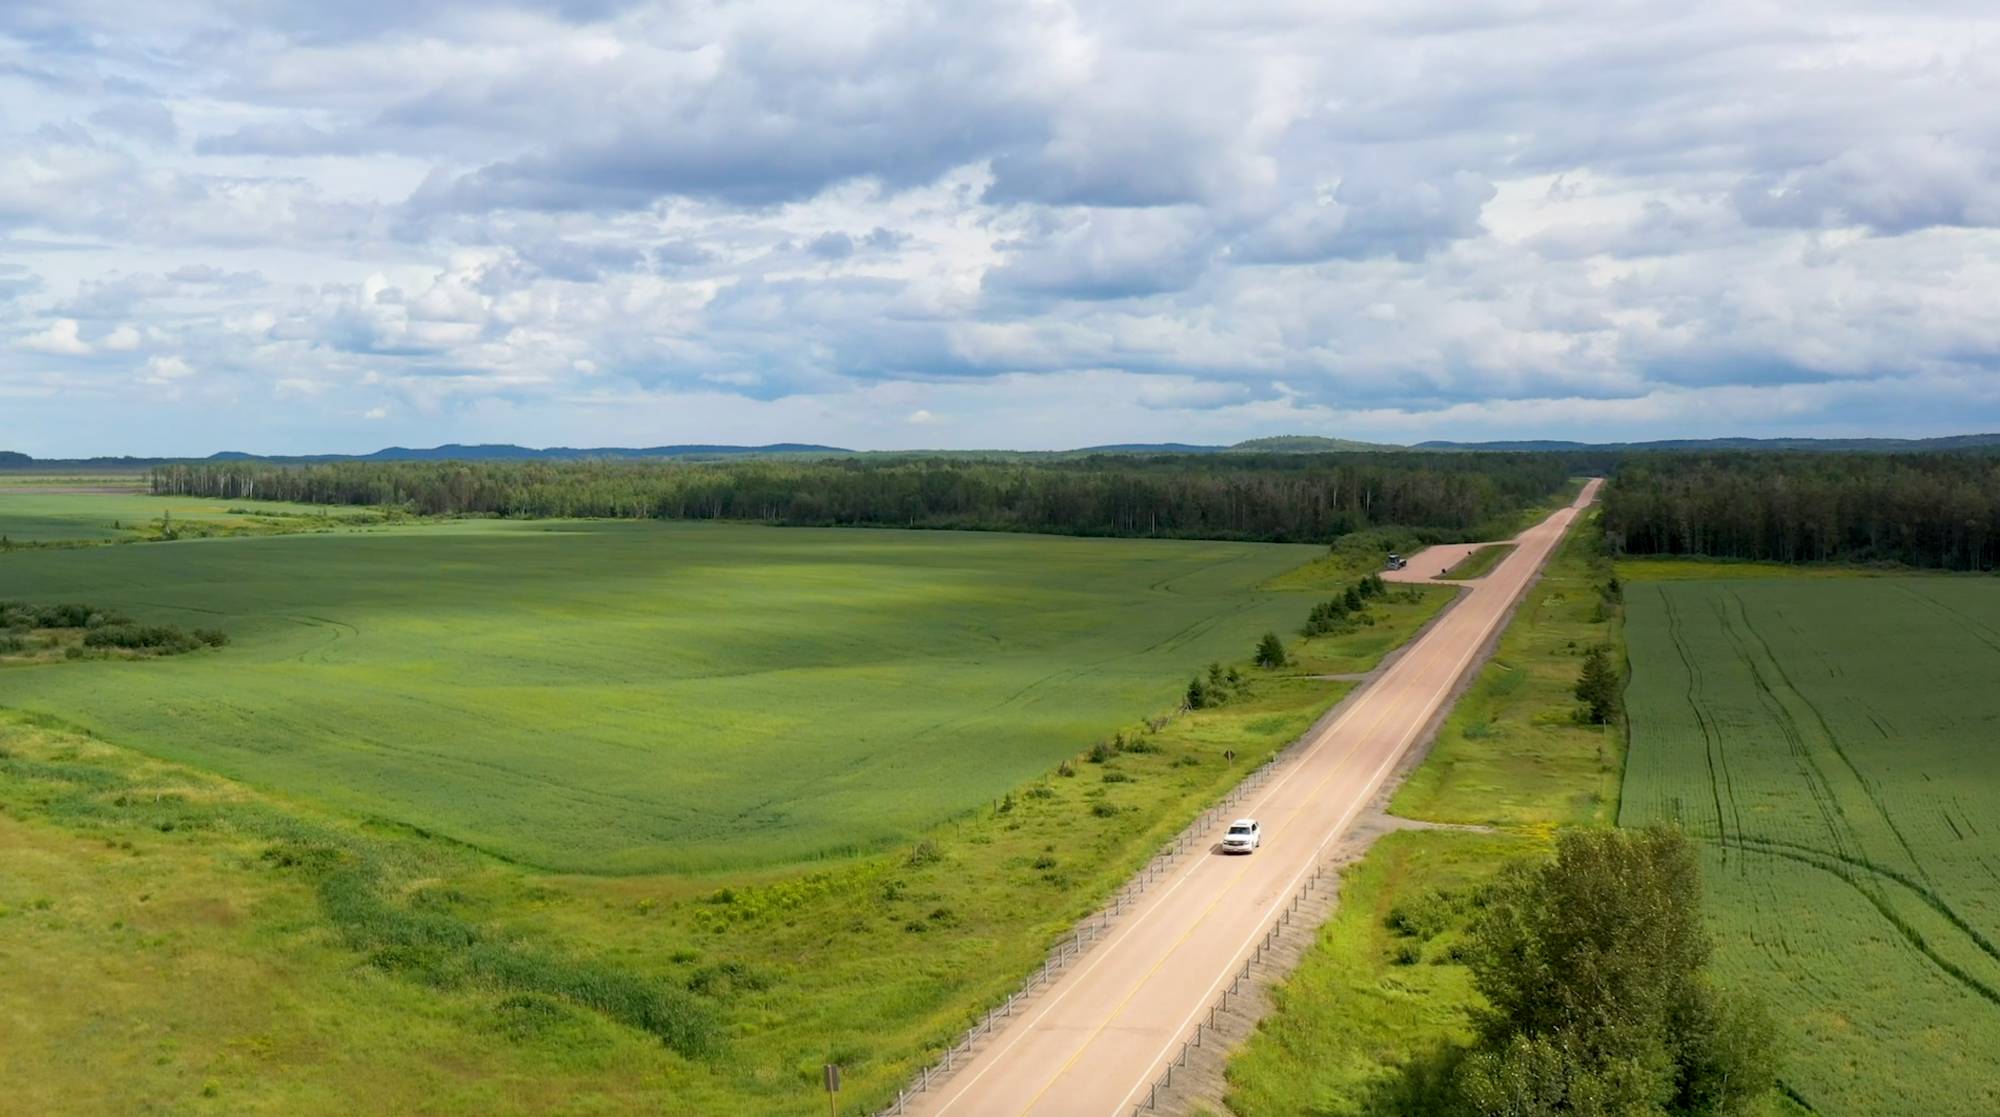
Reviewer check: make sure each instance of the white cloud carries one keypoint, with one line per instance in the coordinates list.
(1416, 216)
(59, 337)
(162, 371)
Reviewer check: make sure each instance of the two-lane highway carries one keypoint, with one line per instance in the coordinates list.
(1090, 1045)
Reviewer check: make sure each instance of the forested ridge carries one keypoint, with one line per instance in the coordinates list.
(1938, 511)
(1277, 497)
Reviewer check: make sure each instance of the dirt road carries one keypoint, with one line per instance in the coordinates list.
(1091, 1044)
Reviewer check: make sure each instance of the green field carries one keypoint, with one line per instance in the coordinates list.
(636, 697)
(1832, 740)
(101, 510)
(195, 944)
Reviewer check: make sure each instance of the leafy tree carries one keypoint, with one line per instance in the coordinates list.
(1594, 967)
(1351, 600)
(1597, 686)
(1271, 651)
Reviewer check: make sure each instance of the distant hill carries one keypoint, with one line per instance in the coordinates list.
(507, 451)
(1881, 445)
(1307, 444)
(1149, 448)
(1278, 444)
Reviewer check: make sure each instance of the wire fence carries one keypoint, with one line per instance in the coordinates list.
(1205, 1027)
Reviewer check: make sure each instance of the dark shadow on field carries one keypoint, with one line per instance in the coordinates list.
(1421, 1087)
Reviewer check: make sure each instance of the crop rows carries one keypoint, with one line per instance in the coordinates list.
(1830, 740)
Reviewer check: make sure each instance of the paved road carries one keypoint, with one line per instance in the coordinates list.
(1094, 1040)
(1427, 564)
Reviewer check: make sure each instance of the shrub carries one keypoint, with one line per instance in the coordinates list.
(135, 637)
(1103, 810)
(1117, 777)
(1065, 769)
(1101, 752)
(925, 852)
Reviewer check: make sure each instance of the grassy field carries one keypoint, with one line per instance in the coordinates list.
(1479, 563)
(625, 697)
(39, 510)
(1831, 738)
(368, 966)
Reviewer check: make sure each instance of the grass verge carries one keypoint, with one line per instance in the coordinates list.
(1479, 563)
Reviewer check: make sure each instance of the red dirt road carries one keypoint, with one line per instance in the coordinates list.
(1091, 1044)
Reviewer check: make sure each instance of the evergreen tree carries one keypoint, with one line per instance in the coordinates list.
(1597, 686)
(1271, 651)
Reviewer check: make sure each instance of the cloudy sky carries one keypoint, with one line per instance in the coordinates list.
(289, 225)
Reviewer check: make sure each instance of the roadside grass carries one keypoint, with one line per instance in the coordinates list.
(1395, 618)
(1479, 563)
(1370, 999)
(1512, 752)
(505, 976)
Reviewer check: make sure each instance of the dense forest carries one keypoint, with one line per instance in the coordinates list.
(1939, 511)
(1276, 497)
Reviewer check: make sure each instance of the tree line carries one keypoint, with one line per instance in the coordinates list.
(1939, 511)
(1276, 497)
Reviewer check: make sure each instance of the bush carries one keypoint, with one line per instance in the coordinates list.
(1103, 810)
(148, 637)
(1101, 752)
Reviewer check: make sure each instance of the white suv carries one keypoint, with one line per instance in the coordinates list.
(1244, 836)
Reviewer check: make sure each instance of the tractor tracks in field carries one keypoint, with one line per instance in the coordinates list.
(1849, 860)
(1868, 788)
(1711, 741)
(1848, 870)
